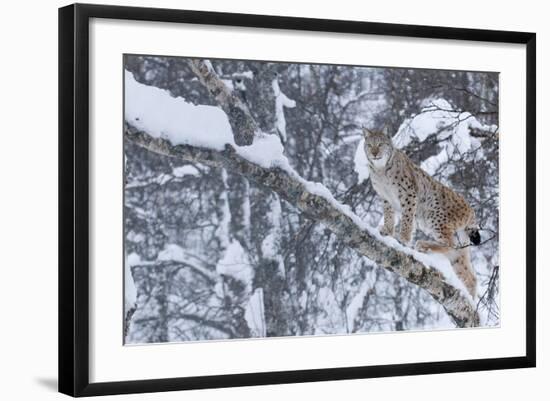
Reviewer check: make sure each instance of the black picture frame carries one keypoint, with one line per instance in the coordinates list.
(74, 198)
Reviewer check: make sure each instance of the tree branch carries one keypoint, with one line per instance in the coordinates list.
(242, 123)
(320, 208)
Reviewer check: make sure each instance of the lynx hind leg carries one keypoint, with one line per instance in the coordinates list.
(460, 261)
(430, 246)
(464, 271)
(444, 244)
(389, 220)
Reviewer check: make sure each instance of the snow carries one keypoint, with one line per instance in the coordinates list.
(452, 129)
(356, 303)
(229, 84)
(443, 265)
(281, 100)
(266, 151)
(351, 138)
(254, 314)
(222, 231)
(175, 253)
(246, 208)
(208, 64)
(235, 263)
(134, 259)
(150, 75)
(331, 308)
(185, 170)
(437, 117)
(319, 189)
(156, 112)
(130, 290)
(360, 162)
(270, 246)
(162, 178)
(132, 236)
(172, 252)
(431, 119)
(246, 74)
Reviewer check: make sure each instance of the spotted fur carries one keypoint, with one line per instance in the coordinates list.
(423, 203)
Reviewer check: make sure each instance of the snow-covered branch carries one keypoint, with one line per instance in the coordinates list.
(242, 123)
(318, 204)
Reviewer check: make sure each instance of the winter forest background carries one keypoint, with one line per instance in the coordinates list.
(211, 254)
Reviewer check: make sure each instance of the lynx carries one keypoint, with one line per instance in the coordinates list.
(423, 202)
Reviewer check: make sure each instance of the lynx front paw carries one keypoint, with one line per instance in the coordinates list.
(405, 239)
(386, 232)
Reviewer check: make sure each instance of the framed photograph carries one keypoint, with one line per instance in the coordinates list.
(250, 199)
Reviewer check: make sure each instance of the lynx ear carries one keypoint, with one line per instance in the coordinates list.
(366, 132)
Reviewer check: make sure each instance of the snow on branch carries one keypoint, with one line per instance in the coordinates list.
(456, 131)
(264, 163)
(242, 123)
(281, 100)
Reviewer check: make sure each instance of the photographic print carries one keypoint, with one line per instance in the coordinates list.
(274, 199)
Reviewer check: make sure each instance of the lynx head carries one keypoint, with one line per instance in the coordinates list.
(378, 148)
